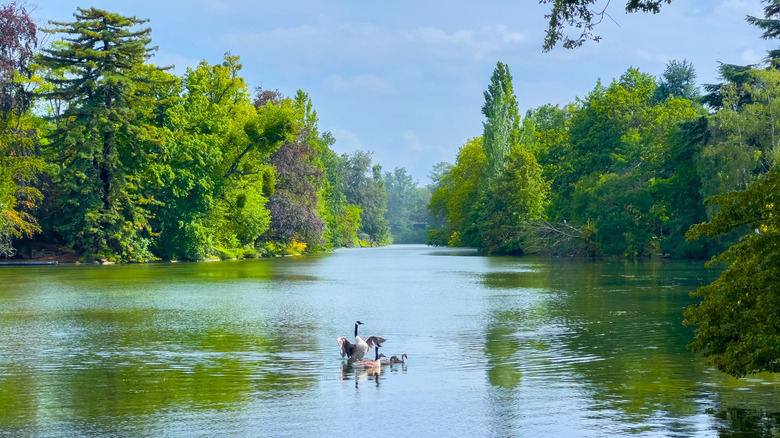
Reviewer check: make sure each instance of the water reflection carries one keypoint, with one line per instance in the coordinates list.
(737, 422)
(359, 374)
(501, 347)
(527, 347)
(81, 361)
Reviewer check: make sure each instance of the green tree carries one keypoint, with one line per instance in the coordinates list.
(402, 201)
(102, 145)
(678, 80)
(545, 132)
(502, 127)
(516, 197)
(457, 196)
(365, 187)
(620, 143)
(770, 24)
(342, 220)
(677, 191)
(744, 134)
(20, 167)
(736, 322)
(217, 177)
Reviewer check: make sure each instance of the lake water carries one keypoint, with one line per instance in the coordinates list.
(496, 347)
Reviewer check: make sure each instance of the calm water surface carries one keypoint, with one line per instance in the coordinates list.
(497, 347)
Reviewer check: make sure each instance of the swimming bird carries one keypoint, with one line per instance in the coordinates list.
(368, 363)
(394, 360)
(359, 349)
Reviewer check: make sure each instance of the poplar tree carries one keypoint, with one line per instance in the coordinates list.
(502, 127)
(101, 143)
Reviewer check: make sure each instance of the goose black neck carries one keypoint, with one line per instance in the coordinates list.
(356, 326)
(376, 351)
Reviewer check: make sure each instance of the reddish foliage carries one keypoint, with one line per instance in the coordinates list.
(262, 97)
(294, 205)
(18, 39)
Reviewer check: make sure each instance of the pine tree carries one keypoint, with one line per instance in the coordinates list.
(101, 143)
(770, 24)
(678, 80)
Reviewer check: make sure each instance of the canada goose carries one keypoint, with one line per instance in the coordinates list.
(359, 349)
(394, 360)
(368, 363)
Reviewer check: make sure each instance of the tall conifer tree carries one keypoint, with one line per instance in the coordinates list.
(770, 24)
(101, 144)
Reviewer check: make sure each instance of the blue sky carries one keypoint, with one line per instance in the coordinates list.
(404, 79)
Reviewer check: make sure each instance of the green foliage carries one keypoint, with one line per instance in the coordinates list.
(365, 187)
(545, 132)
(678, 80)
(20, 167)
(737, 324)
(770, 24)
(578, 14)
(501, 129)
(216, 180)
(146, 165)
(744, 135)
(458, 195)
(616, 165)
(407, 203)
(102, 143)
(677, 191)
(516, 197)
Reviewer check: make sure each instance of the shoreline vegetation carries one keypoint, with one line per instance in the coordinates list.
(118, 161)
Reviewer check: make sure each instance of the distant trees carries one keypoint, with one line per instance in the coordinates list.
(641, 167)
(407, 207)
(365, 186)
(725, 161)
(593, 177)
(457, 196)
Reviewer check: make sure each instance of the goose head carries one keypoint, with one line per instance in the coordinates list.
(357, 323)
(395, 359)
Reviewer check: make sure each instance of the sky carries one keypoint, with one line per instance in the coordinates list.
(405, 79)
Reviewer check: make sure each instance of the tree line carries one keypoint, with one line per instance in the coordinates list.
(641, 166)
(117, 159)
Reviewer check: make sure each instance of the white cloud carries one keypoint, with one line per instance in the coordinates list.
(749, 56)
(477, 44)
(411, 142)
(346, 141)
(365, 83)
